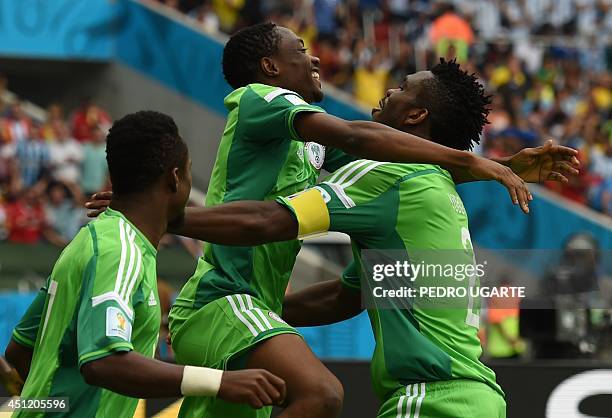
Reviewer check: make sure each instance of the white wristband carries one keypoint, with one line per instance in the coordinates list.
(200, 381)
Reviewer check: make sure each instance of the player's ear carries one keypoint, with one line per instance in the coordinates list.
(174, 180)
(269, 67)
(416, 116)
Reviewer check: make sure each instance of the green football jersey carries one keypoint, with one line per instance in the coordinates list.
(101, 298)
(405, 209)
(260, 157)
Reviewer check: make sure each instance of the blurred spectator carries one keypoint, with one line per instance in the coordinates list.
(325, 17)
(207, 19)
(55, 125)
(33, 158)
(66, 156)
(16, 126)
(251, 13)
(8, 168)
(3, 221)
(25, 217)
(371, 79)
(85, 118)
(228, 11)
(64, 212)
(451, 31)
(94, 171)
(503, 337)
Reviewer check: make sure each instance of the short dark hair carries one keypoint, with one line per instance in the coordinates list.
(458, 105)
(141, 147)
(245, 49)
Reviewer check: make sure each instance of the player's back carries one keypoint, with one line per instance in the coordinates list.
(412, 212)
(101, 297)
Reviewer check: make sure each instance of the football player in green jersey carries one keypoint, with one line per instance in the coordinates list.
(91, 333)
(426, 361)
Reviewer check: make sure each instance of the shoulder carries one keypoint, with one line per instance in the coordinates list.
(107, 234)
(79, 251)
(266, 95)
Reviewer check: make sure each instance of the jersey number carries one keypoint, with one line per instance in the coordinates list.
(472, 318)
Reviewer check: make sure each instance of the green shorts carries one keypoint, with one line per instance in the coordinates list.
(446, 399)
(220, 335)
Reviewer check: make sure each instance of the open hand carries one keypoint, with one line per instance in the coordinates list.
(547, 162)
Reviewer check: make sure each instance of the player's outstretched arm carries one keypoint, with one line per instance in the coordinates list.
(379, 142)
(236, 223)
(321, 304)
(134, 375)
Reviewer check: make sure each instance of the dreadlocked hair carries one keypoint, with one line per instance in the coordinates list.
(244, 51)
(458, 105)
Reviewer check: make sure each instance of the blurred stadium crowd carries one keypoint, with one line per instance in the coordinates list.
(548, 66)
(47, 167)
(547, 62)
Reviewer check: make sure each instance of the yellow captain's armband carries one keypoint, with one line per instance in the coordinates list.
(311, 212)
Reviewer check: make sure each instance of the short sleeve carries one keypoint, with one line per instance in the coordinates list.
(350, 276)
(27, 329)
(269, 114)
(106, 312)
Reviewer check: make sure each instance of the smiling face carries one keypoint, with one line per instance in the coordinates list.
(292, 68)
(401, 105)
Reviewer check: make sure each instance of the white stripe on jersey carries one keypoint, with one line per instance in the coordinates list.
(333, 177)
(362, 173)
(52, 291)
(134, 279)
(352, 170)
(275, 93)
(344, 198)
(125, 280)
(342, 182)
(119, 277)
(95, 301)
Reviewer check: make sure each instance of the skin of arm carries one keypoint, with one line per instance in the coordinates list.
(321, 304)
(377, 142)
(134, 375)
(242, 223)
(20, 357)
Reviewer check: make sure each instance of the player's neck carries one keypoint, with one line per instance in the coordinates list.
(147, 212)
(419, 130)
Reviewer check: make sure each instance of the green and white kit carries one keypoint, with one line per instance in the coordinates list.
(101, 298)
